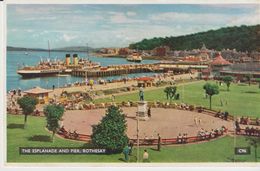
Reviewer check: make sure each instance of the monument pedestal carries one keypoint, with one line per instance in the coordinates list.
(142, 111)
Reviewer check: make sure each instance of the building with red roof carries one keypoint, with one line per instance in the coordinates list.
(145, 81)
(220, 61)
(42, 95)
(219, 64)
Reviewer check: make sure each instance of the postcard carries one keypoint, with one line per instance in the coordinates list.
(132, 83)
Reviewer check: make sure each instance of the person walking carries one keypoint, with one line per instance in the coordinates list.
(131, 144)
(196, 121)
(145, 156)
(126, 153)
(159, 143)
(149, 112)
(200, 121)
(141, 94)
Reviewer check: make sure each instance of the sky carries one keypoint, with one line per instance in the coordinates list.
(101, 25)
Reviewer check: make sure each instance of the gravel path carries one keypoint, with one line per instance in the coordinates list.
(168, 122)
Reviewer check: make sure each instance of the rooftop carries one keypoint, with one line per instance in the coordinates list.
(37, 90)
(145, 79)
(219, 60)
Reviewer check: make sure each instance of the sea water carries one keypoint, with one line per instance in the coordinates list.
(16, 59)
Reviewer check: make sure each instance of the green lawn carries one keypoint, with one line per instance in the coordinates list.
(241, 100)
(220, 150)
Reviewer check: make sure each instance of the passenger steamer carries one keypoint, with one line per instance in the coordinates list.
(134, 57)
(55, 67)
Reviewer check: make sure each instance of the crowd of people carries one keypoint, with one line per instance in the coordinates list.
(222, 115)
(182, 139)
(248, 121)
(12, 97)
(252, 131)
(245, 120)
(206, 135)
(15, 92)
(68, 134)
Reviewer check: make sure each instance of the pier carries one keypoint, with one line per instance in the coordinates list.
(113, 70)
(81, 67)
(117, 70)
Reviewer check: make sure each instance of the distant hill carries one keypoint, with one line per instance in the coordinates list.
(243, 38)
(64, 49)
(74, 48)
(11, 48)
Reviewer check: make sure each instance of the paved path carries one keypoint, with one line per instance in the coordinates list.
(58, 91)
(168, 122)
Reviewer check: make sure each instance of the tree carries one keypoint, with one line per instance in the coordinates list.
(241, 38)
(227, 80)
(170, 92)
(248, 78)
(28, 105)
(211, 90)
(110, 132)
(53, 114)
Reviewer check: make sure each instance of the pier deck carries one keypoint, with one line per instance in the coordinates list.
(134, 68)
(117, 70)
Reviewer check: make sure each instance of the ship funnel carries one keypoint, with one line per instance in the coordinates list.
(67, 59)
(75, 59)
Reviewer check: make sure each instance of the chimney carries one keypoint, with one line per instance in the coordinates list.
(67, 59)
(75, 59)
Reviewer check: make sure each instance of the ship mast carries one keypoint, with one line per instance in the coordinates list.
(87, 51)
(49, 49)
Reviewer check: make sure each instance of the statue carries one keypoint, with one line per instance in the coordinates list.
(142, 106)
(141, 94)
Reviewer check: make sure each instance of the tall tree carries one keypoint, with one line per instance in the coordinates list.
(110, 133)
(28, 105)
(211, 90)
(53, 114)
(227, 80)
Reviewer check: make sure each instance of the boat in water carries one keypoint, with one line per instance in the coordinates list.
(46, 68)
(134, 57)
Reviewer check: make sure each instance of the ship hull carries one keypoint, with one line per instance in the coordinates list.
(37, 74)
(134, 60)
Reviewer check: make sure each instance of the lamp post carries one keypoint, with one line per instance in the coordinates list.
(59, 80)
(182, 91)
(137, 131)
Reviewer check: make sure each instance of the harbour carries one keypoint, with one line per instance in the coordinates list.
(18, 58)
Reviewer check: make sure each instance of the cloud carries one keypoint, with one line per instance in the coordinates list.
(41, 9)
(40, 18)
(68, 38)
(130, 13)
(30, 30)
(114, 26)
(13, 30)
(249, 19)
(232, 6)
(121, 18)
(188, 18)
(206, 19)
